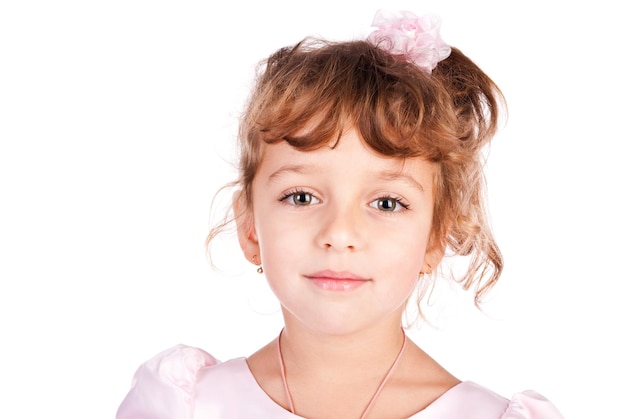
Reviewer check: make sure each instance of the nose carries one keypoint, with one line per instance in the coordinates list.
(341, 228)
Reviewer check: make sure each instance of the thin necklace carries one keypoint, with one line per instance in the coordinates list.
(369, 404)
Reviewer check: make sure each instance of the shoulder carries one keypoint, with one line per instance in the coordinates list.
(473, 401)
(163, 386)
(532, 405)
(468, 400)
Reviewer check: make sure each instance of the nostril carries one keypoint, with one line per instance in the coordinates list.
(328, 246)
(339, 231)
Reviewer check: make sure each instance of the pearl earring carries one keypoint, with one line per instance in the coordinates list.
(260, 268)
(428, 272)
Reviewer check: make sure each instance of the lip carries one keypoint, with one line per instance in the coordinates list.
(336, 281)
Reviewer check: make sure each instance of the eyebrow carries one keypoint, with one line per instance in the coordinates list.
(395, 175)
(296, 168)
(384, 175)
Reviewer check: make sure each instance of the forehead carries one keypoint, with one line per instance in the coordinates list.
(348, 158)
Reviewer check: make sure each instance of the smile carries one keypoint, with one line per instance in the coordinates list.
(336, 281)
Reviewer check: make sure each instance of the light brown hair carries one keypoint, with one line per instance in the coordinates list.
(446, 117)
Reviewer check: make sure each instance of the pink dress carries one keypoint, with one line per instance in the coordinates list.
(188, 383)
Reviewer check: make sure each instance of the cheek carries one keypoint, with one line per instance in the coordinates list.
(407, 255)
(278, 243)
(411, 238)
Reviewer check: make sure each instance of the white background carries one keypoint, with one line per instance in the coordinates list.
(116, 124)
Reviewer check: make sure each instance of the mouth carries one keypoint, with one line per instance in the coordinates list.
(336, 281)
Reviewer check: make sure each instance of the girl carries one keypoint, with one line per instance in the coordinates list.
(360, 167)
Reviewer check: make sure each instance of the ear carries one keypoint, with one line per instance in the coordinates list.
(246, 233)
(433, 257)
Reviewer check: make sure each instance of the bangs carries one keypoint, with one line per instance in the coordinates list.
(310, 93)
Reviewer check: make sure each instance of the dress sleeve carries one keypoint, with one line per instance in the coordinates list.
(531, 405)
(162, 388)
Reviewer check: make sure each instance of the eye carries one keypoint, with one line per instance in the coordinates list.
(389, 204)
(299, 198)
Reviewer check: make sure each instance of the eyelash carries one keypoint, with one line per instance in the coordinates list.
(397, 200)
(288, 198)
(289, 195)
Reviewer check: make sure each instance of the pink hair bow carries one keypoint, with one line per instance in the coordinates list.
(416, 38)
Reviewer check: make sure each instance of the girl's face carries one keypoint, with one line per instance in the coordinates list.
(342, 233)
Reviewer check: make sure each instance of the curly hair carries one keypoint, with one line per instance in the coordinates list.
(399, 110)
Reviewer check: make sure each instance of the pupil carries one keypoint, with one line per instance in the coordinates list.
(303, 198)
(387, 204)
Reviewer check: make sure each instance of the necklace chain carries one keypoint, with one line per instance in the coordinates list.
(372, 400)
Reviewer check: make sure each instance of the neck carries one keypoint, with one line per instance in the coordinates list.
(340, 357)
